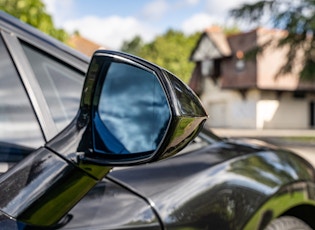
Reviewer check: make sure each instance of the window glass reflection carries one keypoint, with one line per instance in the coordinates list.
(133, 109)
(60, 84)
(18, 124)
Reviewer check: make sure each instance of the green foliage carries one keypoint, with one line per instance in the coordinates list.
(34, 13)
(133, 46)
(297, 18)
(170, 51)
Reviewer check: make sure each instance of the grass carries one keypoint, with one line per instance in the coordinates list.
(302, 139)
(294, 140)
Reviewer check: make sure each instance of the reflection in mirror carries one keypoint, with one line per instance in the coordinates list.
(133, 113)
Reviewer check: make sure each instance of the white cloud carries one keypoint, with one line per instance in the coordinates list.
(60, 10)
(107, 31)
(183, 4)
(192, 2)
(222, 8)
(220, 11)
(50, 5)
(110, 31)
(197, 22)
(155, 10)
(113, 30)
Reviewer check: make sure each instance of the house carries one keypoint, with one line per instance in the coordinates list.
(83, 45)
(249, 93)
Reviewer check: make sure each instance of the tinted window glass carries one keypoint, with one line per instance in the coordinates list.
(19, 129)
(61, 85)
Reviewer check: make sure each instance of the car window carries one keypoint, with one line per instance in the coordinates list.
(20, 132)
(61, 85)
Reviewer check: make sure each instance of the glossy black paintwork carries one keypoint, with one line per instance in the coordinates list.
(187, 114)
(42, 188)
(226, 185)
(78, 141)
(222, 186)
(110, 206)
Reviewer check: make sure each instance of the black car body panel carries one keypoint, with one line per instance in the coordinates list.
(110, 206)
(221, 184)
(203, 189)
(212, 186)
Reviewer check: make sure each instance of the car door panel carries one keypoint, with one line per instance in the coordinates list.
(110, 206)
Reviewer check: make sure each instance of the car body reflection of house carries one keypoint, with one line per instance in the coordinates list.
(239, 93)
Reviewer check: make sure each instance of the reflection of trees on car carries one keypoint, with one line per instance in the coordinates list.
(136, 109)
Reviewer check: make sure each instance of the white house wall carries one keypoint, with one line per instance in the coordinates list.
(227, 108)
(242, 112)
(284, 112)
(258, 110)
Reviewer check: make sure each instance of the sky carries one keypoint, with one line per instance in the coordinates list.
(109, 22)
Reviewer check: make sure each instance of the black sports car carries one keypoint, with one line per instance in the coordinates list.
(124, 148)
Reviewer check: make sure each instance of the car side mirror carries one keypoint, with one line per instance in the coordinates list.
(138, 112)
(131, 112)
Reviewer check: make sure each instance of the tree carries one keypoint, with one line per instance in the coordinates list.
(298, 19)
(133, 46)
(34, 13)
(170, 51)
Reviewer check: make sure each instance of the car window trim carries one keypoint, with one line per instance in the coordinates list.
(31, 85)
(49, 45)
(80, 64)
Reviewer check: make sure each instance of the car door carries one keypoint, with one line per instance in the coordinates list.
(40, 97)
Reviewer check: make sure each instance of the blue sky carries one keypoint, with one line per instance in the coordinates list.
(109, 23)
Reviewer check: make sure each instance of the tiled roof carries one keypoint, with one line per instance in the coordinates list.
(84, 45)
(218, 37)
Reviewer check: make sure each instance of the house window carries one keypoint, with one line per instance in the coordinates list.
(299, 94)
(207, 67)
(240, 62)
(312, 114)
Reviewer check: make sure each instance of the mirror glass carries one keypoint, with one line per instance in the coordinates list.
(133, 112)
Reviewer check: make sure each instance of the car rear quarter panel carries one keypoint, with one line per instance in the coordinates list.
(223, 186)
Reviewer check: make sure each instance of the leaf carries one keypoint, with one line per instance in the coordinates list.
(34, 13)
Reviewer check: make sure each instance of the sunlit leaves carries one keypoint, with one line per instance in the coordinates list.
(170, 51)
(297, 17)
(34, 13)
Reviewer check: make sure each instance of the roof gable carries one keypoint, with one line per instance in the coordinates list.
(211, 45)
(84, 45)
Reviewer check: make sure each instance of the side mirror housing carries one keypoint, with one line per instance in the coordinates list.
(138, 112)
(131, 112)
